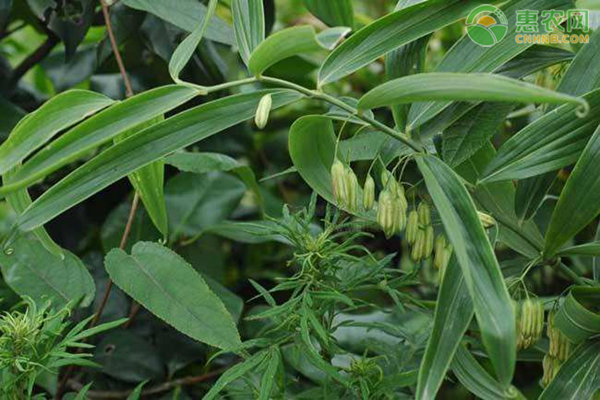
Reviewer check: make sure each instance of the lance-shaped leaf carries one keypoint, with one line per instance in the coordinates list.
(530, 194)
(281, 45)
(248, 25)
(548, 144)
(469, 57)
(579, 377)
(152, 275)
(453, 313)
(463, 87)
(579, 202)
(142, 149)
(493, 306)
(332, 12)
(37, 128)
(98, 130)
(390, 32)
(576, 317)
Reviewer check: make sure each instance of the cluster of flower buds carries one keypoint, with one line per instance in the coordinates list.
(345, 186)
(558, 352)
(391, 213)
(530, 322)
(442, 253)
(263, 110)
(419, 233)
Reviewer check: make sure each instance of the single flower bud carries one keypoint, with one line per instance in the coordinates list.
(424, 214)
(263, 110)
(351, 190)
(438, 249)
(369, 193)
(388, 182)
(486, 220)
(400, 216)
(551, 367)
(386, 215)
(428, 242)
(338, 177)
(560, 346)
(402, 197)
(412, 226)
(419, 246)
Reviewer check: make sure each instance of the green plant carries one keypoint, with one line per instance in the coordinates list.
(339, 199)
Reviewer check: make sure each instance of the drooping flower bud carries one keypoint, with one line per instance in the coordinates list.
(424, 214)
(388, 182)
(351, 190)
(551, 367)
(386, 213)
(428, 242)
(338, 178)
(400, 216)
(560, 346)
(402, 197)
(530, 322)
(419, 246)
(369, 193)
(486, 220)
(439, 248)
(263, 110)
(412, 226)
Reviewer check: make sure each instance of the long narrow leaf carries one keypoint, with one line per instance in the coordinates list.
(248, 25)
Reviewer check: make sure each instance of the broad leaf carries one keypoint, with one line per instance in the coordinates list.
(332, 12)
(576, 317)
(30, 270)
(185, 14)
(548, 144)
(453, 313)
(142, 149)
(579, 202)
(463, 87)
(249, 25)
(153, 274)
(390, 32)
(578, 378)
(493, 306)
(37, 128)
(98, 130)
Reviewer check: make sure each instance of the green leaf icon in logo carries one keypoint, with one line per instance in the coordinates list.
(487, 25)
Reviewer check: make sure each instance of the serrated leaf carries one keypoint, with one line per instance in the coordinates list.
(152, 275)
(248, 25)
(493, 306)
(390, 32)
(144, 148)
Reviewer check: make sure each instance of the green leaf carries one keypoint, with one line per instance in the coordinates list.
(137, 392)
(464, 87)
(234, 373)
(281, 45)
(579, 202)
(142, 149)
(268, 379)
(185, 14)
(548, 144)
(530, 194)
(152, 275)
(576, 317)
(332, 12)
(469, 57)
(390, 32)
(202, 163)
(249, 25)
(82, 395)
(186, 49)
(330, 38)
(98, 130)
(587, 249)
(37, 128)
(578, 378)
(453, 313)
(493, 306)
(473, 131)
(30, 270)
(148, 182)
(197, 202)
(476, 379)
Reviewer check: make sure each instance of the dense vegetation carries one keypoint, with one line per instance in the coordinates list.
(297, 199)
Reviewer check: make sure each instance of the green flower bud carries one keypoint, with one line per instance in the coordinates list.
(551, 367)
(428, 242)
(439, 248)
(351, 190)
(424, 214)
(419, 246)
(263, 110)
(386, 215)
(412, 226)
(486, 220)
(530, 322)
(388, 181)
(369, 194)
(400, 216)
(402, 197)
(338, 177)
(560, 347)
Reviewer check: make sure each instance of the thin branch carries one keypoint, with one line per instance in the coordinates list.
(115, 49)
(163, 387)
